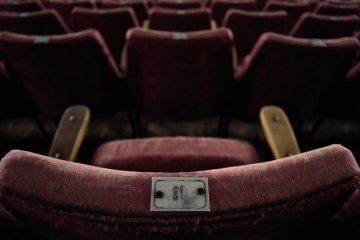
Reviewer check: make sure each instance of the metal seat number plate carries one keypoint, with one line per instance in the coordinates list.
(180, 194)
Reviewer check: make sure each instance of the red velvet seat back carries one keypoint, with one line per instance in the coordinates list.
(337, 10)
(291, 198)
(111, 23)
(293, 9)
(21, 6)
(46, 22)
(64, 70)
(179, 4)
(220, 7)
(311, 25)
(179, 20)
(140, 7)
(293, 73)
(64, 8)
(176, 76)
(247, 27)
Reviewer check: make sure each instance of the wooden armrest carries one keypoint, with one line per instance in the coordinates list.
(213, 25)
(70, 133)
(278, 132)
(146, 24)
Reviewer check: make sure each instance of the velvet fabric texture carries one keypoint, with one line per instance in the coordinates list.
(293, 9)
(111, 23)
(23, 6)
(289, 198)
(63, 70)
(286, 72)
(183, 76)
(337, 10)
(45, 22)
(311, 25)
(140, 7)
(245, 37)
(179, 5)
(179, 20)
(186, 154)
(220, 7)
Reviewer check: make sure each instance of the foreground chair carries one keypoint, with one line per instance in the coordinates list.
(179, 20)
(290, 198)
(46, 22)
(111, 23)
(298, 85)
(311, 25)
(63, 70)
(179, 76)
(245, 37)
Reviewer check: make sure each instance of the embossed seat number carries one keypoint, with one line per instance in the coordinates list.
(179, 194)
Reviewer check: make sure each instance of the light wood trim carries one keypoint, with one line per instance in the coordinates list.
(213, 25)
(70, 133)
(278, 132)
(146, 24)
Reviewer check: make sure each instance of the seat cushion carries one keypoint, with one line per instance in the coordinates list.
(174, 154)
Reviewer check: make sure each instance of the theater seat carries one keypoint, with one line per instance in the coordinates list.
(291, 198)
(311, 25)
(21, 6)
(219, 8)
(179, 4)
(337, 10)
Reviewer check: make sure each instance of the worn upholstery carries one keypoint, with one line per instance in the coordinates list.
(179, 4)
(290, 198)
(111, 23)
(293, 9)
(311, 25)
(45, 22)
(64, 70)
(179, 76)
(186, 154)
(247, 27)
(179, 20)
(220, 7)
(140, 7)
(298, 84)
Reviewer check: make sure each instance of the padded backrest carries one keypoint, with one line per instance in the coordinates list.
(139, 6)
(64, 70)
(111, 23)
(220, 7)
(46, 22)
(179, 20)
(311, 25)
(64, 7)
(293, 9)
(337, 10)
(179, 75)
(292, 73)
(179, 4)
(245, 37)
(21, 6)
(280, 199)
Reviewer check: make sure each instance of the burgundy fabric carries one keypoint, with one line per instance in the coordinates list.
(111, 23)
(139, 6)
(220, 7)
(46, 22)
(293, 73)
(247, 27)
(179, 4)
(179, 20)
(311, 25)
(186, 154)
(175, 76)
(64, 8)
(293, 9)
(334, 10)
(281, 199)
(21, 6)
(64, 70)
